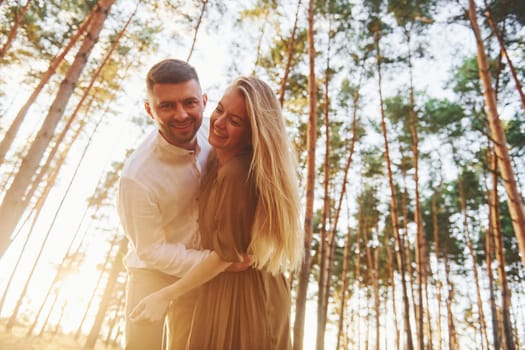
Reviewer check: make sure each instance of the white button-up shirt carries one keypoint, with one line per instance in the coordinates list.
(157, 204)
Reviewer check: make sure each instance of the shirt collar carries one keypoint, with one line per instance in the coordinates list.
(165, 146)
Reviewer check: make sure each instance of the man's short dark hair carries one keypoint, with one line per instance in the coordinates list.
(170, 71)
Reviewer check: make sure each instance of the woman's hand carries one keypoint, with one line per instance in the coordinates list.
(151, 308)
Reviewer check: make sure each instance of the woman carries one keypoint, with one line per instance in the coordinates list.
(248, 204)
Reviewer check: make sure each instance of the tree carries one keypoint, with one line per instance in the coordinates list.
(11, 208)
(375, 29)
(12, 131)
(12, 34)
(298, 329)
(515, 201)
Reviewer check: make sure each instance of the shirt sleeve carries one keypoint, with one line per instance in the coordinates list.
(236, 201)
(140, 216)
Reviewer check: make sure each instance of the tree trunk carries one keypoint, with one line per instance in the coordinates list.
(58, 140)
(420, 238)
(390, 268)
(393, 209)
(452, 335)
(435, 233)
(199, 21)
(11, 208)
(324, 244)
(504, 52)
(481, 313)
(514, 200)
(406, 246)
(12, 319)
(489, 252)
(310, 186)
(500, 256)
(107, 263)
(17, 263)
(116, 268)
(289, 56)
(344, 287)
(377, 301)
(343, 191)
(46, 321)
(12, 33)
(11, 132)
(358, 278)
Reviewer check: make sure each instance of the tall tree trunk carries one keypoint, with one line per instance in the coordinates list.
(46, 321)
(390, 268)
(111, 336)
(406, 246)
(489, 252)
(14, 315)
(393, 205)
(59, 139)
(466, 231)
(513, 72)
(12, 33)
(421, 262)
(358, 285)
(452, 334)
(17, 263)
(324, 244)
(11, 208)
(12, 319)
(107, 264)
(116, 268)
(371, 271)
(344, 287)
(514, 199)
(11, 132)
(304, 274)
(342, 193)
(372, 268)
(196, 31)
(289, 56)
(500, 256)
(435, 234)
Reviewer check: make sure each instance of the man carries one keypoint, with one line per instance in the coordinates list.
(157, 201)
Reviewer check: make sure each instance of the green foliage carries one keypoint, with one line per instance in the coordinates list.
(373, 162)
(508, 9)
(411, 12)
(448, 244)
(515, 134)
(466, 78)
(260, 9)
(397, 110)
(275, 61)
(442, 115)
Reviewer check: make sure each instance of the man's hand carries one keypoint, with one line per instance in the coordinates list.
(240, 266)
(150, 309)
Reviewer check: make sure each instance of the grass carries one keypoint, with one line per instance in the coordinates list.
(16, 339)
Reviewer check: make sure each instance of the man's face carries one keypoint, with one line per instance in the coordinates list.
(177, 109)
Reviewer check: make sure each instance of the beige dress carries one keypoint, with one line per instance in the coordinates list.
(236, 310)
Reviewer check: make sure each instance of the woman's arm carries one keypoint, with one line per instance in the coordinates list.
(153, 307)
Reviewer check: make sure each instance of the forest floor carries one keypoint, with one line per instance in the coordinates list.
(16, 339)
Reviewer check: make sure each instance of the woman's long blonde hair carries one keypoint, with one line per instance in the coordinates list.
(278, 239)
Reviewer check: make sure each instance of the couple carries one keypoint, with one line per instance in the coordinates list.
(187, 206)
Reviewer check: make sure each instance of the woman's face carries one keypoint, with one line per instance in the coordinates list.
(230, 131)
